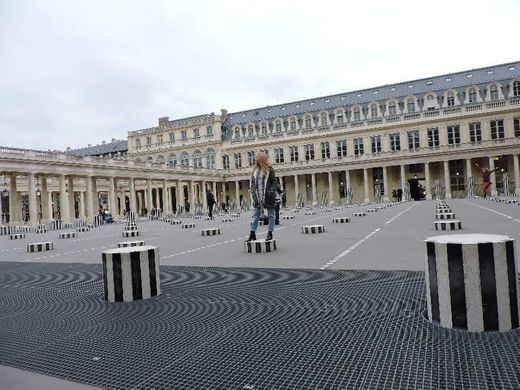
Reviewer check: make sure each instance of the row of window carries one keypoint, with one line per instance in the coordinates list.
(372, 111)
(171, 137)
(394, 141)
(184, 159)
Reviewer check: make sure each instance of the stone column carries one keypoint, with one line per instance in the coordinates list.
(44, 200)
(331, 189)
(157, 199)
(95, 196)
(237, 192)
(313, 188)
(469, 168)
(50, 205)
(166, 207)
(33, 212)
(223, 192)
(192, 194)
(133, 203)
(385, 185)
(516, 172)
(149, 195)
(70, 197)
(365, 184)
(493, 178)
(14, 206)
(428, 181)
(347, 178)
(296, 190)
(178, 194)
(64, 202)
(82, 205)
(90, 197)
(403, 178)
(215, 192)
(447, 183)
(112, 196)
(204, 200)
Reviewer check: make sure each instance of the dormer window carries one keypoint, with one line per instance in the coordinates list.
(410, 105)
(516, 89)
(184, 135)
(493, 92)
(339, 117)
(430, 102)
(196, 133)
(278, 126)
(293, 124)
(250, 131)
(450, 99)
(357, 114)
(237, 132)
(392, 109)
(264, 129)
(307, 121)
(373, 111)
(323, 119)
(472, 95)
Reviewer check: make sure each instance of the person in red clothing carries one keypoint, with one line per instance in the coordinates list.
(486, 174)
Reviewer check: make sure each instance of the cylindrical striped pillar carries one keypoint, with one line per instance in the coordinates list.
(131, 273)
(471, 282)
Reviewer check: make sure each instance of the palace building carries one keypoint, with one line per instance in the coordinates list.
(422, 136)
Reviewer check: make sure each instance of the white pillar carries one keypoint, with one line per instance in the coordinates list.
(469, 168)
(296, 190)
(494, 191)
(82, 205)
(237, 193)
(223, 200)
(50, 203)
(347, 178)
(447, 183)
(385, 185)
(70, 197)
(112, 196)
(215, 192)
(204, 194)
(428, 181)
(331, 189)
(64, 202)
(14, 209)
(313, 188)
(365, 184)
(90, 197)
(33, 212)
(516, 172)
(133, 203)
(178, 194)
(403, 178)
(149, 195)
(166, 208)
(157, 199)
(192, 194)
(44, 200)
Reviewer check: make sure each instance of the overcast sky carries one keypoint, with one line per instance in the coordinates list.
(74, 73)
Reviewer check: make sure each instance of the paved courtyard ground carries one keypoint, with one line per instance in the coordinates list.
(341, 309)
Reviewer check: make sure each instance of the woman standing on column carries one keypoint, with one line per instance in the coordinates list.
(486, 174)
(263, 191)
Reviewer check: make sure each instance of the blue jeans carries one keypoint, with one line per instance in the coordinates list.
(256, 217)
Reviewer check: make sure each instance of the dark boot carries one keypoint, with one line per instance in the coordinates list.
(269, 236)
(252, 236)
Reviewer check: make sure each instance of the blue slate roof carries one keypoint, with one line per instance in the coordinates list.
(458, 81)
(106, 148)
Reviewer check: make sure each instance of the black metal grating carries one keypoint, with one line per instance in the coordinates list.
(230, 328)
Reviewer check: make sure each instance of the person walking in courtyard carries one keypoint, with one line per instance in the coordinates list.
(263, 191)
(486, 175)
(399, 194)
(211, 202)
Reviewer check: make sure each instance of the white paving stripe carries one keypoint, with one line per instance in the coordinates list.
(493, 211)
(335, 259)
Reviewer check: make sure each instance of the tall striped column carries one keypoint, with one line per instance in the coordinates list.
(471, 282)
(131, 273)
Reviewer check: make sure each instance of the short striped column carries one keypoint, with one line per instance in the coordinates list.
(4, 230)
(372, 210)
(310, 213)
(288, 217)
(125, 244)
(260, 246)
(210, 231)
(41, 231)
(359, 214)
(313, 229)
(451, 224)
(17, 236)
(68, 225)
(341, 220)
(175, 222)
(445, 216)
(83, 229)
(235, 215)
(227, 219)
(56, 224)
(131, 233)
(130, 226)
(188, 226)
(131, 273)
(68, 235)
(90, 225)
(471, 282)
(40, 246)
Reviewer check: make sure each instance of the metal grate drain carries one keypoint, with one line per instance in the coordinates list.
(230, 328)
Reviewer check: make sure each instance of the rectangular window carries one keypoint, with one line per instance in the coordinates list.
(325, 150)
(172, 137)
(339, 117)
(395, 142)
(209, 131)
(159, 138)
(309, 152)
(251, 158)
(278, 155)
(413, 140)
(149, 140)
(293, 150)
(433, 137)
(454, 135)
(358, 147)
(341, 147)
(516, 126)
(196, 133)
(184, 135)
(376, 144)
(497, 129)
(475, 133)
(225, 161)
(138, 142)
(238, 160)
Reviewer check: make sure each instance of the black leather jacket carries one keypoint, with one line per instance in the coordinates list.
(267, 200)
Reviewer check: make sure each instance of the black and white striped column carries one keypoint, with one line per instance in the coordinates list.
(131, 273)
(471, 282)
(68, 235)
(40, 246)
(260, 246)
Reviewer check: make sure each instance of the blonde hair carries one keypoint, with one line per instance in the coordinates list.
(262, 162)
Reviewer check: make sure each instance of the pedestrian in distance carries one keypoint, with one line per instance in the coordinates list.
(263, 191)
(210, 199)
(278, 202)
(486, 179)
(399, 194)
(186, 205)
